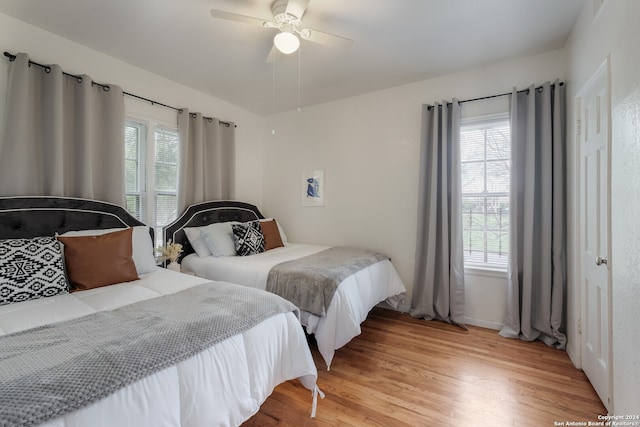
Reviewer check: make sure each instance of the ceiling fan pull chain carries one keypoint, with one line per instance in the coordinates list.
(273, 89)
(299, 79)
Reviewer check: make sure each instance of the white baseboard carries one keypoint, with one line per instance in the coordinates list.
(575, 359)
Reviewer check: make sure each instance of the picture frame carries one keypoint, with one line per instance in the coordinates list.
(312, 186)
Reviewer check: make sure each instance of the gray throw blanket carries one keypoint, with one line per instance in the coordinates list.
(310, 282)
(54, 369)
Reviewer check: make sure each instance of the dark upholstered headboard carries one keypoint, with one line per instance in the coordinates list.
(26, 217)
(206, 213)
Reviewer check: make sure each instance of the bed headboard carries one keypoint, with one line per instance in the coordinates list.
(26, 217)
(206, 213)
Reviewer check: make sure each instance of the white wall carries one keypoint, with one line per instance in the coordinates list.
(369, 148)
(47, 48)
(614, 32)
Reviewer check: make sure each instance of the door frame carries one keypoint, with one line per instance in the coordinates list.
(581, 309)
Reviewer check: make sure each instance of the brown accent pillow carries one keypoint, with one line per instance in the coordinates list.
(95, 261)
(271, 234)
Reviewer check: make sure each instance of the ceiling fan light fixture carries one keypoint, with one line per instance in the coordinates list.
(286, 42)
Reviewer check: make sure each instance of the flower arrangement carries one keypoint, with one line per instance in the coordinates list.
(170, 251)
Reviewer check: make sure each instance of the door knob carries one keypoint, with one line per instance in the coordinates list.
(600, 260)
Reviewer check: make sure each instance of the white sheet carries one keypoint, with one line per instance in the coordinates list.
(355, 297)
(221, 386)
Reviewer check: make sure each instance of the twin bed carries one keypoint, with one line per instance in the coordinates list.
(356, 294)
(121, 355)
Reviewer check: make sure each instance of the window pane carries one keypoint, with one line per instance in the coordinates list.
(166, 168)
(166, 208)
(472, 145)
(134, 168)
(498, 142)
(166, 146)
(133, 205)
(131, 176)
(166, 211)
(473, 217)
(472, 177)
(166, 177)
(151, 194)
(485, 174)
(131, 144)
(497, 230)
(498, 176)
(473, 205)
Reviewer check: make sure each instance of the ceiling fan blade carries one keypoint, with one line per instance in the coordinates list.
(297, 7)
(273, 56)
(326, 39)
(221, 14)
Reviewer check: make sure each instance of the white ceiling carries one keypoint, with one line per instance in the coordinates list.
(395, 42)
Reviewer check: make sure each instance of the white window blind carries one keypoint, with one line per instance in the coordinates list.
(166, 178)
(485, 168)
(135, 174)
(151, 192)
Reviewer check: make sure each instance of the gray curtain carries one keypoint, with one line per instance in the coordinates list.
(63, 136)
(207, 159)
(536, 270)
(438, 288)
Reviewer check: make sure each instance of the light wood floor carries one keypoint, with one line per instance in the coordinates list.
(406, 372)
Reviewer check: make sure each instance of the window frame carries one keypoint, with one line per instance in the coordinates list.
(141, 167)
(478, 122)
(147, 153)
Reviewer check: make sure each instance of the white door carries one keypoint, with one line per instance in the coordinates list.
(593, 133)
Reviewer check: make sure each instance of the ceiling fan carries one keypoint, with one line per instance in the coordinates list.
(287, 19)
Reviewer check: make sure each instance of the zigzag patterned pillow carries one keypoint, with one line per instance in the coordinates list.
(31, 268)
(249, 238)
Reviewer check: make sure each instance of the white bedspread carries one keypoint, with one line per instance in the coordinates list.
(222, 386)
(354, 298)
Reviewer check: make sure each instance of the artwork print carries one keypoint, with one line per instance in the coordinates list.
(313, 188)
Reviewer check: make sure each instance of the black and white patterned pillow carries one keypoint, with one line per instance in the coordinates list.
(249, 238)
(31, 268)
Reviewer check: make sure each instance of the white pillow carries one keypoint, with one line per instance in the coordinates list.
(282, 235)
(219, 238)
(197, 241)
(143, 253)
(214, 239)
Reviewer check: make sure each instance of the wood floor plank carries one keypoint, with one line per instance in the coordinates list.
(407, 372)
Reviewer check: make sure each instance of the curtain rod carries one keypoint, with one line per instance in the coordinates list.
(429, 107)
(47, 68)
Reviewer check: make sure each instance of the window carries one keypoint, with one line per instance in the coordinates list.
(135, 175)
(485, 158)
(151, 168)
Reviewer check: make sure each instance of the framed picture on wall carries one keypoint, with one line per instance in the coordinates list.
(313, 187)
